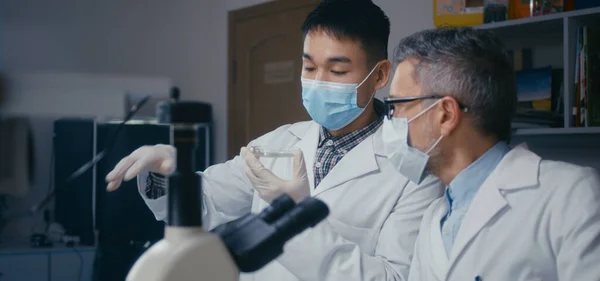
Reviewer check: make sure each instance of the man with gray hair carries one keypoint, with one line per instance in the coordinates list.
(507, 214)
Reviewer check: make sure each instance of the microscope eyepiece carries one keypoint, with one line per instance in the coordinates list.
(306, 214)
(278, 208)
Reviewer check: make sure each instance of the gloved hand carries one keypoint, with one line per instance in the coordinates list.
(158, 159)
(269, 186)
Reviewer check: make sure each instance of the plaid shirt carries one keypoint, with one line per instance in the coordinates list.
(330, 151)
(156, 186)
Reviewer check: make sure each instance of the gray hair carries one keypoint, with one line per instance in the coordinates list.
(470, 65)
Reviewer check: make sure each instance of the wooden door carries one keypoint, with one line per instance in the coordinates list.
(265, 56)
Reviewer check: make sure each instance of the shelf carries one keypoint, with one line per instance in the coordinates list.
(551, 24)
(553, 39)
(568, 142)
(585, 15)
(557, 131)
(551, 19)
(530, 31)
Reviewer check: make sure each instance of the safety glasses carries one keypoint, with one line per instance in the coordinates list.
(390, 103)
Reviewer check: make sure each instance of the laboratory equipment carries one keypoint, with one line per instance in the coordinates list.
(88, 165)
(276, 156)
(73, 180)
(255, 240)
(119, 217)
(9, 216)
(163, 108)
(188, 252)
(272, 152)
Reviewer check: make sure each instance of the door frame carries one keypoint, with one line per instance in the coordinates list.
(234, 17)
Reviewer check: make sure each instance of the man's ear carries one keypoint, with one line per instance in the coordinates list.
(382, 74)
(451, 115)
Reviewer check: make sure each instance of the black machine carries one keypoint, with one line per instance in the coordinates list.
(120, 221)
(87, 206)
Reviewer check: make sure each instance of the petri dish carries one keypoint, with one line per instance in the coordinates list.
(272, 152)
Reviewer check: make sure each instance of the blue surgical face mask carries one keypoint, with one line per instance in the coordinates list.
(408, 160)
(332, 105)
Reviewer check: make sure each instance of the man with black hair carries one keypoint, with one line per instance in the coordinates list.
(375, 211)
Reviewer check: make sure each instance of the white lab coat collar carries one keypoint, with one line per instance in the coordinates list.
(308, 133)
(301, 129)
(438, 258)
(357, 162)
(518, 169)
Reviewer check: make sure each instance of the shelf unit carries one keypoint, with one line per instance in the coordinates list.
(557, 30)
(559, 131)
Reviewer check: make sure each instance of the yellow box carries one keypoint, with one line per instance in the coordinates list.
(452, 12)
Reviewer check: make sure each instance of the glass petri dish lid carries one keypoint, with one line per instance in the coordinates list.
(272, 152)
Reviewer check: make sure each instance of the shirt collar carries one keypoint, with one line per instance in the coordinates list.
(348, 141)
(466, 184)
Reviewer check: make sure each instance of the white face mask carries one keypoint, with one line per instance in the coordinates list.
(408, 160)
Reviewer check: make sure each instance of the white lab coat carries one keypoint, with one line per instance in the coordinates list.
(532, 219)
(374, 218)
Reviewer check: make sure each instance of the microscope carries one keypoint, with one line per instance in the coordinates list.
(188, 252)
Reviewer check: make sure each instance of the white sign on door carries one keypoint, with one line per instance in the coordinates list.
(279, 72)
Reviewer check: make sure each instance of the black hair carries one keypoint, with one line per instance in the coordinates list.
(358, 20)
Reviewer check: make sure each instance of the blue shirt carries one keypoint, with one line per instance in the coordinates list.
(463, 188)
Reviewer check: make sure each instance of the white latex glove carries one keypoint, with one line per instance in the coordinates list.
(269, 186)
(158, 159)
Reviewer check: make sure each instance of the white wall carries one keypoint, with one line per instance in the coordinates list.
(406, 17)
(185, 41)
